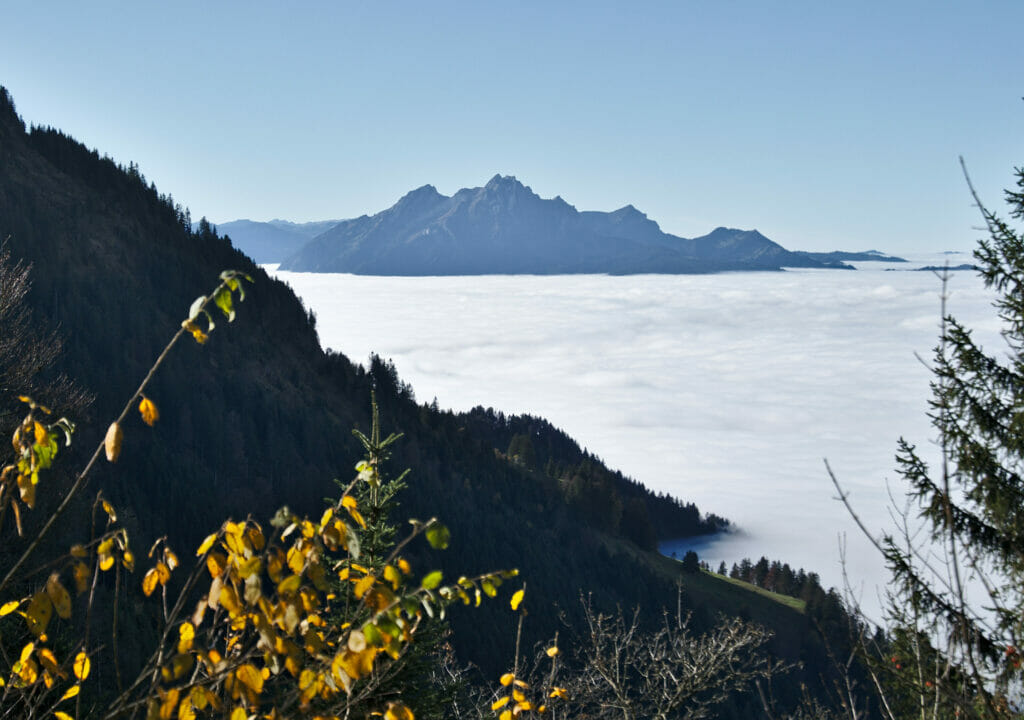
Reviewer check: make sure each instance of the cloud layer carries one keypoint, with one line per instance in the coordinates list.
(726, 390)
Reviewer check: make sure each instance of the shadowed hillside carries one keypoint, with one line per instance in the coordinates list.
(261, 416)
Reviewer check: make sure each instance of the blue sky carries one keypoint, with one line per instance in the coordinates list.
(823, 126)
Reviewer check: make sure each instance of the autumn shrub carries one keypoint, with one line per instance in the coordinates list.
(273, 619)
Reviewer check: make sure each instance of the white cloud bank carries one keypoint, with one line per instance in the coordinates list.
(725, 390)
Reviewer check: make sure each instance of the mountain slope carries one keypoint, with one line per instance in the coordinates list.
(260, 416)
(505, 228)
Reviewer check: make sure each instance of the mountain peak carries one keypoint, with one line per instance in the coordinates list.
(423, 196)
(506, 185)
(629, 210)
(422, 191)
(500, 180)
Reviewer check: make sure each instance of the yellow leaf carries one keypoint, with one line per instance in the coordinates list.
(559, 692)
(238, 714)
(499, 704)
(27, 491)
(357, 517)
(404, 566)
(9, 607)
(78, 551)
(58, 715)
(185, 710)
(229, 600)
(28, 671)
(148, 411)
(112, 442)
(249, 676)
(81, 666)
(506, 715)
(106, 562)
(207, 544)
(507, 679)
(250, 567)
(26, 652)
(363, 586)
(70, 692)
(255, 535)
(520, 683)
(171, 559)
(397, 711)
(517, 598)
(109, 509)
(58, 596)
(163, 573)
(40, 433)
(552, 651)
(348, 502)
(169, 704)
(185, 635)
(48, 659)
(517, 695)
(215, 563)
(196, 331)
(39, 612)
(150, 581)
(289, 585)
(199, 697)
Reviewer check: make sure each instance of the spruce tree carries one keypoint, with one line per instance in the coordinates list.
(965, 603)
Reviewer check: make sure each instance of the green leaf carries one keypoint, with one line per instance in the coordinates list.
(438, 536)
(372, 635)
(282, 518)
(387, 625)
(432, 580)
(352, 541)
(223, 300)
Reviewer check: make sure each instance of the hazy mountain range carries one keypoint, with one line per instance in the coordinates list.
(506, 228)
(271, 242)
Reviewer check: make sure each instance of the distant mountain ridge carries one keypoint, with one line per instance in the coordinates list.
(506, 228)
(269, 242)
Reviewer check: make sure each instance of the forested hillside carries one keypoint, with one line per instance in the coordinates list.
(261, 416)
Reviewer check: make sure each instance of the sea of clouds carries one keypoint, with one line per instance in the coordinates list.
(726, 390)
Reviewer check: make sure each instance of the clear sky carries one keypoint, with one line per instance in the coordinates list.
(824, 125)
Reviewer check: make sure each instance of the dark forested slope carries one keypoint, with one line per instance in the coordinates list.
(260, 416)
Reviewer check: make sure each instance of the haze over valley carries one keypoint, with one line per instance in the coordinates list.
(727, 390)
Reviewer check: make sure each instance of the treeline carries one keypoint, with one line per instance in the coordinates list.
(604, 498)
(826, 607)
(776, 576)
